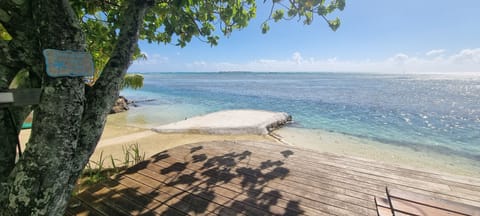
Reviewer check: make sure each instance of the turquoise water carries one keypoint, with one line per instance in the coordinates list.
(431, 112)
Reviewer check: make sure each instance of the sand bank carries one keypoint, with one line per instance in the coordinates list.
(257, 122)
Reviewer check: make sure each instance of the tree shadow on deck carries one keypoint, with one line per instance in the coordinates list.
(198, 179)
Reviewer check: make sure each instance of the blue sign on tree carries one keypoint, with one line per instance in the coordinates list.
(68, 63)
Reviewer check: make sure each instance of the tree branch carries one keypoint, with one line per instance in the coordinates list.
(102, 95)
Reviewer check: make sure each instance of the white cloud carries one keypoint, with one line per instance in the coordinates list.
(466, 60)
(467, 56)
(155, 59)
(151, 64)
(435, 52)
(331, 60)
(199, 66)
(399, 58)
(297, 57)
(200, 63)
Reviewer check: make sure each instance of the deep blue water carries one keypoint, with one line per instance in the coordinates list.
(416, 110)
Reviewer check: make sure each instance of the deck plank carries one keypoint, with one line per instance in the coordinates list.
(254, 178)
(371, 174)
(235, 184)
(445, 205)
(76, 207)
(302, 186)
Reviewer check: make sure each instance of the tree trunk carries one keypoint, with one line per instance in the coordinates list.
(38, 183)
(70, 118)
(13, 58)
(7, 145)
(7, 133)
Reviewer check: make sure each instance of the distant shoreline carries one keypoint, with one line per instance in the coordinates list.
(460, 74)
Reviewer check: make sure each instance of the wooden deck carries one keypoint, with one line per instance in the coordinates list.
(252, 178)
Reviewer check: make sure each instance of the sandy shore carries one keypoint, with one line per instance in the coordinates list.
(151, 143)
(120, 133)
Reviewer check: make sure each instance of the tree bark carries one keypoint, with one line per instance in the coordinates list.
(102, 96)
(38, 183)
(17, 54)
(7, 148)
(7, 132)
(71, 116)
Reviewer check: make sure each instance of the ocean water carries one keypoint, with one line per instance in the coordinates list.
(438, 113)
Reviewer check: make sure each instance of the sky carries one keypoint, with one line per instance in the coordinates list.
(376, 36)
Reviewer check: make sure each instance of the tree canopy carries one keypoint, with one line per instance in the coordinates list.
(178, 22)
(71, 115)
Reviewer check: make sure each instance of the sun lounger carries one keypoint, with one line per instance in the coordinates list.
(400, 202)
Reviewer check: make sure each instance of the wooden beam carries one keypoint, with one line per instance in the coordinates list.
(6, 97)
(20, 97)
(24, 97)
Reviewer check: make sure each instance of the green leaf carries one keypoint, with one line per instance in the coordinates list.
(292, 12)
(4, 35)
(265, 28)
(133, 81)
(340, 4)
(213, 40)
(334, 24)
(278, 15)
(308, 18)
(331, 7)
(322, 10)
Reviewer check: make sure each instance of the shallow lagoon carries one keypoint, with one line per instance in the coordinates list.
(424, 116)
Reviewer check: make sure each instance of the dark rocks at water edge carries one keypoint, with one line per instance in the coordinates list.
(121, 105)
